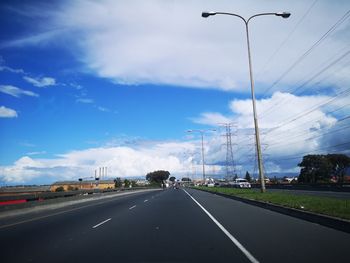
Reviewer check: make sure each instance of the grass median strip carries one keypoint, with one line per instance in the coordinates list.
(322, 205)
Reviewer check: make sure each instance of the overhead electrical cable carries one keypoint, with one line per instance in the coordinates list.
(285, 41)
(334, 62)
(314, 46)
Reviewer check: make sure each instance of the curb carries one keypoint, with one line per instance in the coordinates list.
(324, 220)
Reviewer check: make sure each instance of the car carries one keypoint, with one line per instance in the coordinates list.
(241, 183)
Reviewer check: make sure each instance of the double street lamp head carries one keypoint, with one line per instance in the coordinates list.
(281, 14)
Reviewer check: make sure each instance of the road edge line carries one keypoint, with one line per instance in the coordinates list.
(323, 220)
(226, 232)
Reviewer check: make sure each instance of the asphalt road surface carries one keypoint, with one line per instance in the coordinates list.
(173, 225)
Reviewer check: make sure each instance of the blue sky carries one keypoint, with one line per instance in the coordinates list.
(85, 84)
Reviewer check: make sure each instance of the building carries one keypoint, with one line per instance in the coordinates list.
(83, 185)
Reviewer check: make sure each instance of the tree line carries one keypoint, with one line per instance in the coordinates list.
(320, 168)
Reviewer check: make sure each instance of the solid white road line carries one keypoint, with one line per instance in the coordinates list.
(145, 201)
(234, 240)
(102, 223)
(132, 207)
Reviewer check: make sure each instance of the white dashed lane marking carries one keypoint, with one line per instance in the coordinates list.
(102, 223)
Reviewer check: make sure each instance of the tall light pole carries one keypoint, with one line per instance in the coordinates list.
(257, 137)
(202, 135)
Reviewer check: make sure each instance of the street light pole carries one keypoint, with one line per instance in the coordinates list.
(256, 126)
(202, 136)
(203, 166)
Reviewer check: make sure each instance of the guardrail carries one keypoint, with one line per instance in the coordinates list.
(15, 199)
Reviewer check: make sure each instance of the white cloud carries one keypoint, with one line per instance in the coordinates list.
(36, 153)
(16, 92)
(36, 39)
(13, 70)
(300, 125)
(103, 109)
(85, 100)
(211, 118)
(170, 43)
(7, 112)
(121, 162)
(40, 82)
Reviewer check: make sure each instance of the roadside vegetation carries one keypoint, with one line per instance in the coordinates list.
(322, 205)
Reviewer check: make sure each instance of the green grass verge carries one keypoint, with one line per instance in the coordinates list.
(323, 205)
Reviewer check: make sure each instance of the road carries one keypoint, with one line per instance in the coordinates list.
(173, 225)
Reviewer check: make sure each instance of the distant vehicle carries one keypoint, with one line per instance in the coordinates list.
(241, 183)
(210, 184)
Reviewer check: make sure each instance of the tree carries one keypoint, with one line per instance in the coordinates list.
(118, 182)
(127, 183)
(133, 184)
(248, 177)
(339, 164)
(172, 179)
(320, 168)
(157, 176)
(59, 189)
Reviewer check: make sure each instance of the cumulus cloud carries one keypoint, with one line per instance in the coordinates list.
(168, 42)
(121, 161)
(7, 112)
(298, 127)
(16, 92)
(40, 82)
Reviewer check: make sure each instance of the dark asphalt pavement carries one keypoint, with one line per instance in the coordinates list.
(169, 226)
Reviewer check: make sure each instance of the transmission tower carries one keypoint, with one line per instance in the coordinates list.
(230, 164)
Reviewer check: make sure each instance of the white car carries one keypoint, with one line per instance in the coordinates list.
(241, 183)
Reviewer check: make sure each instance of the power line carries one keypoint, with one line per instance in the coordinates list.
(334, 62)
(302, 154)
(307, 52)
(287, 38)
(282, 143)
(308, 122)
(302, 114)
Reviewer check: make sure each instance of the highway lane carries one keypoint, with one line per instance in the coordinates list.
(168, 226)
(273, 237)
